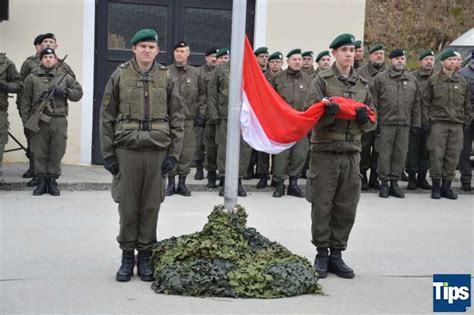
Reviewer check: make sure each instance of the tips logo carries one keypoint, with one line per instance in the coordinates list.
(451, 293)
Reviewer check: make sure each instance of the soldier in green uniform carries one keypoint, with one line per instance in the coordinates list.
(324, 61)
(418, 161)
(359, 54)
(446, 112)
(186, 78)
(200, 123)
(142, 130)
(275, 64)
(397, 100)
(308, 64)
(333, 184)
(48, 145)
(369, 156)
(292, 85)
(10, 82)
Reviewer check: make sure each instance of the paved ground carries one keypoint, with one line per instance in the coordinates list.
(59, 255)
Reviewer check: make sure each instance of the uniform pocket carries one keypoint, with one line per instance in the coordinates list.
(311, 179)
(116, 188)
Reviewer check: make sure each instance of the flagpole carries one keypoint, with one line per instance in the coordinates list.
(239, 10)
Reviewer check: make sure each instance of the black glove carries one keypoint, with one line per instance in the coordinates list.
(111, 165)
(60, 92)
(415, 130)
(168, 165)
(200, 121)
(362, 115)
(426, 129)
(331, 108)
(4, 87)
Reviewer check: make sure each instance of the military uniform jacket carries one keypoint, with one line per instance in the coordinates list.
(204, 77)
(396, 97)
(33, 62)
(187, 80)
(141, 111)
(446, 99)
(218, 93)
(10, 75)
(422, 77)
(311, 72)
(468, 73)
(337, 135)
(42, 79)
(369, 71)
(292, 87)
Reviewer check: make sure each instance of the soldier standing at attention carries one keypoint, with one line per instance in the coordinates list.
(186, 78)
(359, 54)
(369, 155)
(324, 60)
(292, 85)
(397, 100)
(142, 130)
(48, 145)
(10, 82)
(275, 64)
(418, 161)
(308, 64)
(333, 184)
(446, 112)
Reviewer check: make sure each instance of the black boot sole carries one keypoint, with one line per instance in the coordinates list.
(146, 278)
(345, 275)
(123, 278)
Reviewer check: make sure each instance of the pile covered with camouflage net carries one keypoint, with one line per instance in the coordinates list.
(228, 259)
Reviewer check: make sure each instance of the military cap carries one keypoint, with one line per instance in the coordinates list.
(358, 44)
(293, 52)
(397, 52)
(222, 51)
(47, 51)
(425, 53)
(447, 54)
(276, 55)
(375, 48)
(341, 40)
(47, 35)
(307, 53)
(180, 44)
(144, 35)
(38, 39)
(322, 54)
(260, 50)
(210, 51)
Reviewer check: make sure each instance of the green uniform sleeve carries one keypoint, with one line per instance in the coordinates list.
(416, 109)
(426, 103)
(108, 115)
(13, 78)
(211, 113)
(316, 93)
(369, 125)
(176, 119)
(25, 69)
(74, 89)
(26, 99)
(467, 106)
(201, 103)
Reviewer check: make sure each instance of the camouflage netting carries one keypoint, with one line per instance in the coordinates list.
(228, 259)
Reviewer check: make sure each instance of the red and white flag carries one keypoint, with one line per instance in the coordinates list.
(267, 122)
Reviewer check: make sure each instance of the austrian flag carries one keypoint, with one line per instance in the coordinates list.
(267, 122)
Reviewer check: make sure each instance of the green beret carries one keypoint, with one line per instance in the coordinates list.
(447, 54)
(144, 35)
(358, 44)
(341, 40)
(426, 53)
(222, 52)
(293, 52)
(276, 55)
(322, 54)
(308, 53)
(375, 47)
(261, 50)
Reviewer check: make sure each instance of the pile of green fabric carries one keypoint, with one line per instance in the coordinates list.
(228, 259)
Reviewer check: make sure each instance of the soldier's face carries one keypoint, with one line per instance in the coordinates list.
(344, 55)
(49, 43)
(275, 65)
(262, 60)
(324, 63)
(450, 63)
(223, 59)
(427, 63)
(146, 52)
(49, 61)
(181, 55)
(295, 62)
(377, 57)
(398, 63)
(211, 60)
(359, 54)
(458, 64)
(307, 62)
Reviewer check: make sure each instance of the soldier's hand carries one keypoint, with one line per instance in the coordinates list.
(111, 165)
(60, 92)
(426, 129)
(362, 116)
(200, 121)
(4, 87)
(168, 165)
(331, 108)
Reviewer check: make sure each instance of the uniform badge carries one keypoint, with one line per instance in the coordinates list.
(405, 82)
(188, 80)
(301, 86)
(455, 87)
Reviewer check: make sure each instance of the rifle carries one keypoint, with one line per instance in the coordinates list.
(43, 101)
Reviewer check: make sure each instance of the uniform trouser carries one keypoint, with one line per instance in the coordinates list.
(3, 134)
(392, 145)
(333, 189)
(200, 149)
(465, 160)
(183, 167)
(444, 147)
(244, 156)
(253, 158)
(143, 188)
(368, 155)
(263, 164)
(48, 146)
(418, 159)
(211, 147)
(291, 161)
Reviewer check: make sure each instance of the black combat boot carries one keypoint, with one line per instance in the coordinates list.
(199, 172)
(293, 189)
(279, 190)
(30, 171)
(373, 181)
(405, 177)
(250, 173)
(144, 265)
(125, 271)
(466, 186)
(338, 266)
(321, 261)
(221, 186)
(384, 190)
(171, 188)
(211, 179)
(182, 189)
(53, 189)
(42, 186)
(447, 192)
(262, 183)
(436, 189)
(240, 189)
(421, 181)
(395, 190)
(412, 182)
(364, 182)
(33, 182)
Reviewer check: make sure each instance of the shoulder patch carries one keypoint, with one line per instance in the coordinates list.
(162, 67)
(124, 65)
(326, 73)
